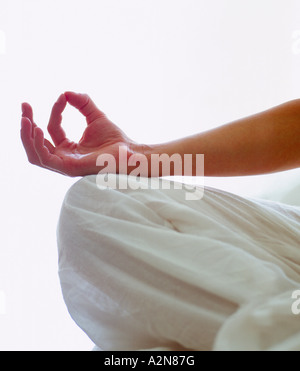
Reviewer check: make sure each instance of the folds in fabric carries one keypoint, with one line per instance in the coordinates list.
(149, 268)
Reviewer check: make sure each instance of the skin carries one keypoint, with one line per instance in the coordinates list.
(266, 142)
(64, 156)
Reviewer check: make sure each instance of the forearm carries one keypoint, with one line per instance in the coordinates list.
(262, 143)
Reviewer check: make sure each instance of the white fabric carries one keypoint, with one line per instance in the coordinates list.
(147, 268)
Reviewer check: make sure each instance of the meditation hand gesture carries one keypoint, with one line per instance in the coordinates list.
(101, 136)
(265, 142)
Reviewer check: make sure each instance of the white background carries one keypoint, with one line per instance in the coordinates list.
(160, 69)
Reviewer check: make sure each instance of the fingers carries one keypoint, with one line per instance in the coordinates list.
(85, 106)
(55, 129)
(27, 140)
(27, 112)
(46, 158)
(39, 150)
(27, 137)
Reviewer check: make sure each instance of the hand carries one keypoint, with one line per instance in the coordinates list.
(101, 136)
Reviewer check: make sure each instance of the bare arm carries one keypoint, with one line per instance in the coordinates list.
(262, 143)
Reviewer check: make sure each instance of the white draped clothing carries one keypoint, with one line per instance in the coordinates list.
(148, 268)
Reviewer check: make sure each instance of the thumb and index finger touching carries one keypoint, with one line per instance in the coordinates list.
(85, 105)
(82, 102)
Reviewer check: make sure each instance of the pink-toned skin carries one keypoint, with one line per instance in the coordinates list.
(265, 142)
(101, 136)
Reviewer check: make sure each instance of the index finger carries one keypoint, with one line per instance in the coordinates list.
(55, 129)
(85, 105)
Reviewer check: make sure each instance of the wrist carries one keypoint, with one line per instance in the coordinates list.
(156, 160)
(176, 158)
(139, 159)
